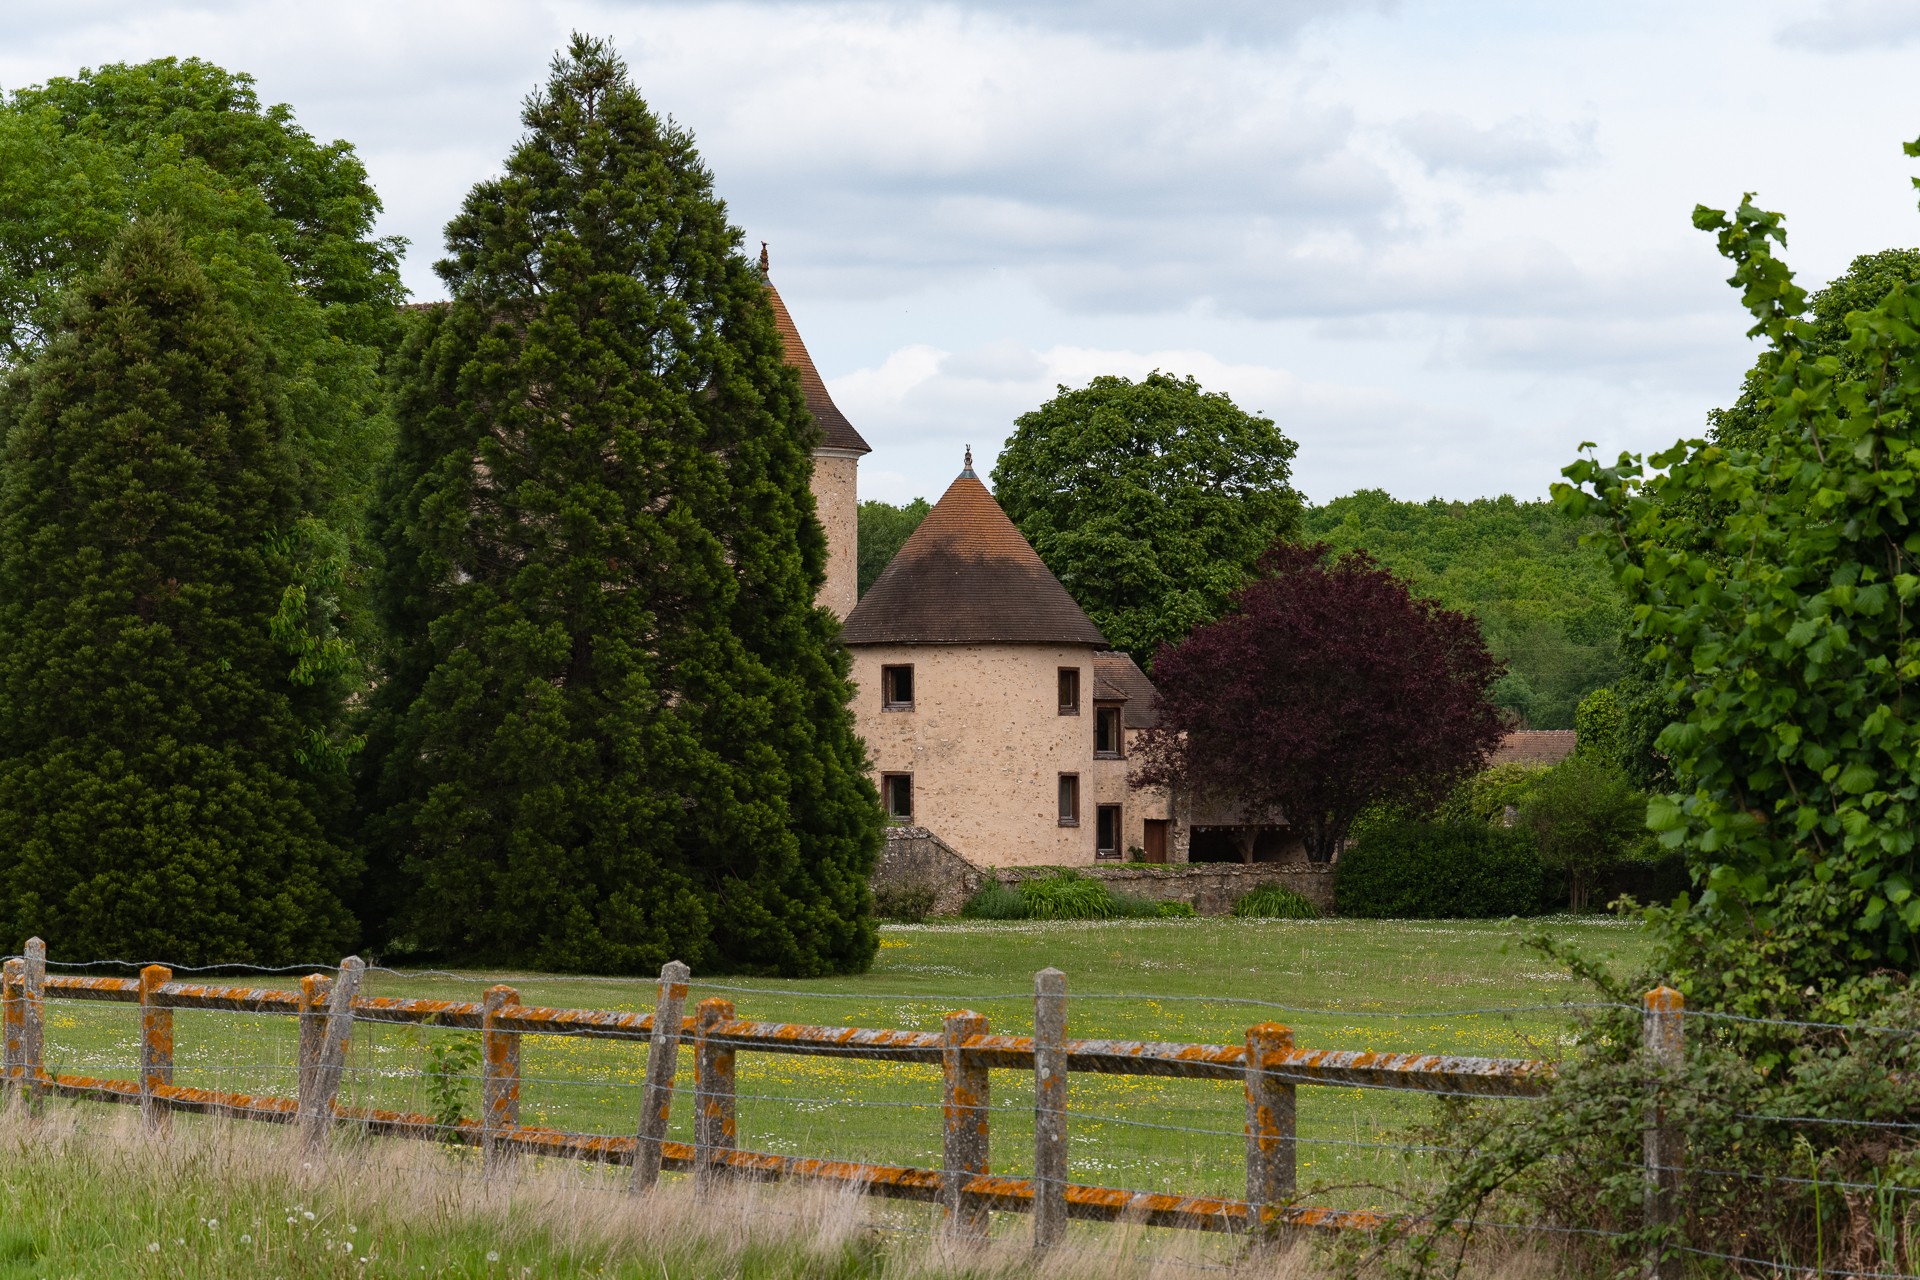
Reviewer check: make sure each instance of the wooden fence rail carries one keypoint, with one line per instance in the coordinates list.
(1268, 1063)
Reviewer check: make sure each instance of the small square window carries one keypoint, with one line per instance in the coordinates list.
(896, 688)
(896, 793)
(1069, 691)
(1069, 799)
(1106, 831)
(1106, 732)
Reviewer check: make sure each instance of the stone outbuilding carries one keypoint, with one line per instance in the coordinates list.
(995, 713)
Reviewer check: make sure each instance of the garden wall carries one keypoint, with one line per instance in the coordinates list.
(915, 857)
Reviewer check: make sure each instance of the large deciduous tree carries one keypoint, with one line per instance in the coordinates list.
(1774, 573)
(616, 730)
(282, 226)
(153, 795)
(1151, 501)
(1328, 688)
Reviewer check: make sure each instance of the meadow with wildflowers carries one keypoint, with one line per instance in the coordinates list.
(1408, 986)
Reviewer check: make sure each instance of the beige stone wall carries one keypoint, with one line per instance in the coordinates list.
(836, 497)
(986, 745)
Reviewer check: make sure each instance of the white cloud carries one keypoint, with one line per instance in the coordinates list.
(1848, 26)
(1440, 242)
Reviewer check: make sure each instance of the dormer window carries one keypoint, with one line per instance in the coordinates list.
(1069, 691)
(896, 688)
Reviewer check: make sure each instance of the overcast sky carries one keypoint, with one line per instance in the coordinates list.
(1440, 244)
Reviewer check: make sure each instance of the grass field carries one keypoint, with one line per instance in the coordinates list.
(1387, 985)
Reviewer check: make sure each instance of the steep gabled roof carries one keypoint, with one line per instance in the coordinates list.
(966, 576)
(838, 431)
(1118, 678)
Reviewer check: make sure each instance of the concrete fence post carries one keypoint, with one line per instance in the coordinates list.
(663, 1059)
(330, 1061)
(1049, 1108)
(499, 1078)
(714, 1123)
(964, 1094)
(13, 1026)
(33, 1008)
(156, 1046)
(1270, 1126)
(1662, 1038)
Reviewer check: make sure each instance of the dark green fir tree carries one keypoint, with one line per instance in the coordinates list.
(163, 786)
(615, 730)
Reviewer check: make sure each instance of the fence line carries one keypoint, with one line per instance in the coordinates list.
(1269, 1066)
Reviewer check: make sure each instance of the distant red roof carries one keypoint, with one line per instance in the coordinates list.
(834, 426)
(967, 576)
(1542, 747)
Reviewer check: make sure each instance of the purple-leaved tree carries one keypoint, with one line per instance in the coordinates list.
(1327, 688)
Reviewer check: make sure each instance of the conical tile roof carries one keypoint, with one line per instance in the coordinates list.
(834, 426)
(967, 576)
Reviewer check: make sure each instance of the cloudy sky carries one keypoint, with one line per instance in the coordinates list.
(1440, 244)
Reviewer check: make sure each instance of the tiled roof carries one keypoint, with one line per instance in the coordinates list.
(966, 576)
(1117, 676)
(1534, 747)
(838, 431)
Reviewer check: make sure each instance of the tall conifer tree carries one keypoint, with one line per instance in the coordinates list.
(616, 728)
(153, 802)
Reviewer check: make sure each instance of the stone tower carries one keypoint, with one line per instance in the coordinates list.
(836, 465)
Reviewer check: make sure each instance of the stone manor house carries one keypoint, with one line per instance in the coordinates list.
(996, 716)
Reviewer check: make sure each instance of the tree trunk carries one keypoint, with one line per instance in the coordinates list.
(1576, 890)
(1245, 837)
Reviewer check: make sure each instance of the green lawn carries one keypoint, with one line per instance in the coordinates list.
(1165, 980)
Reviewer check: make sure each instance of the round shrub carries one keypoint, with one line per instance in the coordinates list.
(1274, 902)
(1174, 910)
(1411, 870)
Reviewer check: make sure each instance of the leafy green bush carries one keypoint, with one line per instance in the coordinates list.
(1274, 902)
(1174, 910)
(912, 903)
(1439, 870)
(1068, 895)
(995, 901)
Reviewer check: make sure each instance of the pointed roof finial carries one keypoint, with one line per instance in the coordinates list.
(966, 471)
(763, 257)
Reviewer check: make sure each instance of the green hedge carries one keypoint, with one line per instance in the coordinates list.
(1274, 902)
(1439, 870)
(1065, 895)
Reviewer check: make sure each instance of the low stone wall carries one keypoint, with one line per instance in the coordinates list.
(1210, 887)
(915, 859)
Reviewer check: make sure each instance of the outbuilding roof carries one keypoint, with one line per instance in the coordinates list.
(1118, 678)
(838, 431)
(967, 576)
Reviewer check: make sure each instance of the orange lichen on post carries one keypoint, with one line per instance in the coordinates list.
(1270, 1124)
(715, 1126)
(964, 1109)
(156, 1045)
(13, 1025)
(499, 1073)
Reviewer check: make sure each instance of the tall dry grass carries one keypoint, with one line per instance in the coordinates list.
(86, 1192)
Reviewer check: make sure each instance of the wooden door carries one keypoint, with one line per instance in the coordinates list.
(1157, 839)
